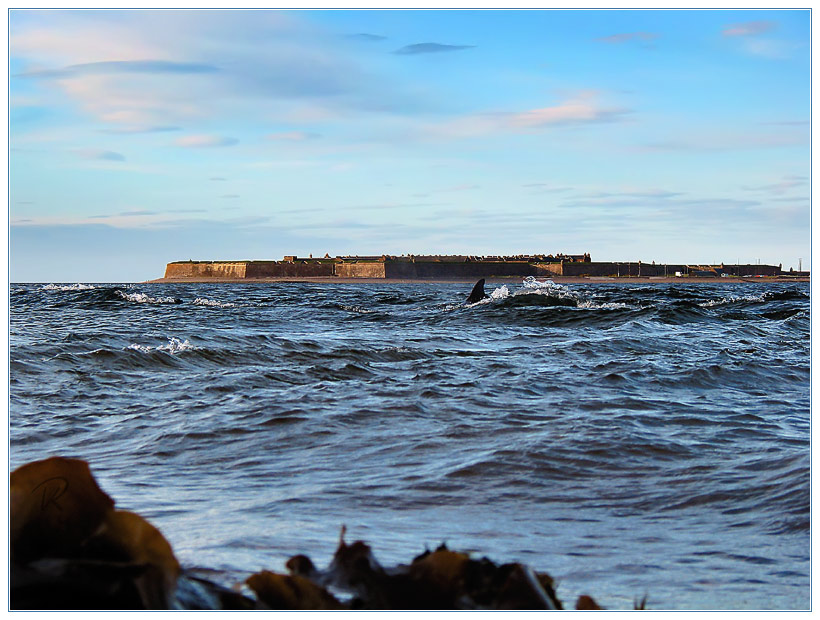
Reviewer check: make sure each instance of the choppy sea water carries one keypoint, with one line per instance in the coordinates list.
(628, 439)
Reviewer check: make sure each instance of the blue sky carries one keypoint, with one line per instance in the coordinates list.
(142, 137)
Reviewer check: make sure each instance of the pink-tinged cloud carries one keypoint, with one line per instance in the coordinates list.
(746, 29)
(580, 110)
(204, 141)
(74, 42)
(628, 36)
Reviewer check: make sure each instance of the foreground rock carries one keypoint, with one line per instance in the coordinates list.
(71, 549)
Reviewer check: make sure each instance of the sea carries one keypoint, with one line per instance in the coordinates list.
(631, 440)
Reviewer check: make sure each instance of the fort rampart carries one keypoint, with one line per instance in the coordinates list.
(248, 269)
(442, 267)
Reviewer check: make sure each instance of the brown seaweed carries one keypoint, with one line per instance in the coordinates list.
(276, 591)
(442, 579)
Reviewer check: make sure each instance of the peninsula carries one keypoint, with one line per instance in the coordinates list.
(460, 267)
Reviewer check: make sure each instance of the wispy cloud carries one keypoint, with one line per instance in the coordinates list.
(158, 68)
(366, 36)
(768, 48)
(387, 206)
(430, 48)
(247, 221)
(137, 213)
(121, 66)
(26, 101)
(99, 154)
(458, 188)
(285, 163)
(137, 100)
(293, 136)
(792, 199)
(79, 39)
(788, 123)
(729, 142)
(628, 36)
(202, 141)
(137, 130)
(664, 205)
(546, 188)
(783, 186)
(649, 194)
(746, 29)
(582, 109)
(747, 35)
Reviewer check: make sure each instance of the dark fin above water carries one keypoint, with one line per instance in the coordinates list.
(478, 292)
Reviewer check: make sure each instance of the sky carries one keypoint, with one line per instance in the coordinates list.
(141, 137)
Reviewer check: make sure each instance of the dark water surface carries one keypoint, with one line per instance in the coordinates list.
(627, 439)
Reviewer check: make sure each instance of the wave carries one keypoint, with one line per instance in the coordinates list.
(613, 305)
(765, 297)
(69, 287)
(732, 299)
(791, 294)
(105, 294)
(531, 283)
(683, 311)
(201, 301)
(531, 292)
(354, 309)
(143, 298)
(174, 346)
(395, 300)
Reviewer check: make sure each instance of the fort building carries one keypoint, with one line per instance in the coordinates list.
(433, 267)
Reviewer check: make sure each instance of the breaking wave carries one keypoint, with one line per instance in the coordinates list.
(69, 287)
(143, 298)
(174, 346)
(201, 301)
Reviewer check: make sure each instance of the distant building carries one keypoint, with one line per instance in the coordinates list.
(437, 266)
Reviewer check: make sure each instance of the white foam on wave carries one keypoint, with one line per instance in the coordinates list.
(142, 298)
(547, 287)
(69, 287)
(140, 347)
(201, 301)
(730, 300)
(502, 292)
(531, 283)
(356, 309)
(174, 346)
(612, 305)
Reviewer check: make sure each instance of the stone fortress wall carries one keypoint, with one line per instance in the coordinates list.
(441, 267)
